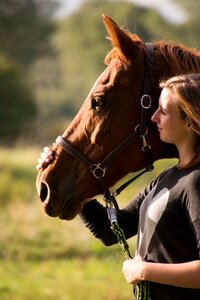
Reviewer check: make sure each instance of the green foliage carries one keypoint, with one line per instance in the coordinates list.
(189, 31)
(24, 28)
(17, 106)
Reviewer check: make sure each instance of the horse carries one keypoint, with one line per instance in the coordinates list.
(110, 134)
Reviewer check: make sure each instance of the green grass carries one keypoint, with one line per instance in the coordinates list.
(46, 258)
(63, 279)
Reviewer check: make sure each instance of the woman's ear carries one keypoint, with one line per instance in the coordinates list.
(190, 127)
(188, 124)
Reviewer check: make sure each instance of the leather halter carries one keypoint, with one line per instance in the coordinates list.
(141, 130)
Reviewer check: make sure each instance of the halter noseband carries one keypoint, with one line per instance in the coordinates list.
(99, 169)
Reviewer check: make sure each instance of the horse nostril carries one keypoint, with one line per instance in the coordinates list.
(43, 192)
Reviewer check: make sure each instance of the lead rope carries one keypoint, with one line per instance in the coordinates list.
(142, 288)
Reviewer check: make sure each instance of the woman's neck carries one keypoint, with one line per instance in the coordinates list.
(186, 152)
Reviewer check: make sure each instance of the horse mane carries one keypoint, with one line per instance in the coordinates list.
(176, 55)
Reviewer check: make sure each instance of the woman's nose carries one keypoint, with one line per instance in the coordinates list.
(154, 117)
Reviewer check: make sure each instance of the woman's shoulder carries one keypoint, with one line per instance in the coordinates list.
(189, 178)
(185, 176)
(193, 174)
(165, 172)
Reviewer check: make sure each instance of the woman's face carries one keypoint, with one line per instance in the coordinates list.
(172, 128)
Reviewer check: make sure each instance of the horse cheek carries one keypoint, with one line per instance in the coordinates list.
(93, 130)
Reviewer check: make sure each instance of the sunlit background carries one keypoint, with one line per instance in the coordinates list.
(51, 52)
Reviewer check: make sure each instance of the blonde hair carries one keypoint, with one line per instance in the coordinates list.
(186, 93)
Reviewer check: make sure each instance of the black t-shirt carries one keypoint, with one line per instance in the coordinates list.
(167, 218)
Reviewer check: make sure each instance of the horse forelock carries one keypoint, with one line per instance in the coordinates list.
(179, 58)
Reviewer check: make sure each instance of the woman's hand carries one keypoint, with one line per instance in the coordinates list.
(133, 270)
(46, 157)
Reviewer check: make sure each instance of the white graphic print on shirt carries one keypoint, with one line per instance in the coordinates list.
(151, 211)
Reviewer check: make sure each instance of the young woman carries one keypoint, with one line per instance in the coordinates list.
(166, 215)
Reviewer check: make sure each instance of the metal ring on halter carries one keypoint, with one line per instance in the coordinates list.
(97, 170)
(146, 148)
(137, 130)
(143, 104)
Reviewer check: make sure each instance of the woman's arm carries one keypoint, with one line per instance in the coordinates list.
(185, 275)
(95, 217)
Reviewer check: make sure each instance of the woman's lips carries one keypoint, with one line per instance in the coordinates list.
(159, 129)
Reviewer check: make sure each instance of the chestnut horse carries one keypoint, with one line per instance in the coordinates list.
(114, 113)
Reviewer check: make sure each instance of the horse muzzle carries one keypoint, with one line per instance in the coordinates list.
(44, 193)
(57, 203)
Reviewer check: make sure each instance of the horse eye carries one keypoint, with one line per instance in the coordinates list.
(97, 103)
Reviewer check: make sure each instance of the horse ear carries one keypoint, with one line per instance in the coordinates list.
(120, 38)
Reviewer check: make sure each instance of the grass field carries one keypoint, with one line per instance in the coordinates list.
(45, 258)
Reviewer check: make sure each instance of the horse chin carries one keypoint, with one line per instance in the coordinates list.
(68, 216)
(64, 214)
(65, 217)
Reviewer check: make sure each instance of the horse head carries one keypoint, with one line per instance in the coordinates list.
(110, 114)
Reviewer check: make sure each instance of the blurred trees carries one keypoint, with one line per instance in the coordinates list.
(190, 29)
(24, 28)
(17, 106)
(24, 31)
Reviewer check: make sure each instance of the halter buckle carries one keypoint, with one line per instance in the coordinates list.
(97, 170)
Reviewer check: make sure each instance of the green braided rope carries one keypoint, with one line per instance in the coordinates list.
(143, 287)
(121, 239)
(143, 291)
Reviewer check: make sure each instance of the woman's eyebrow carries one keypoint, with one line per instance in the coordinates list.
(162, 108)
